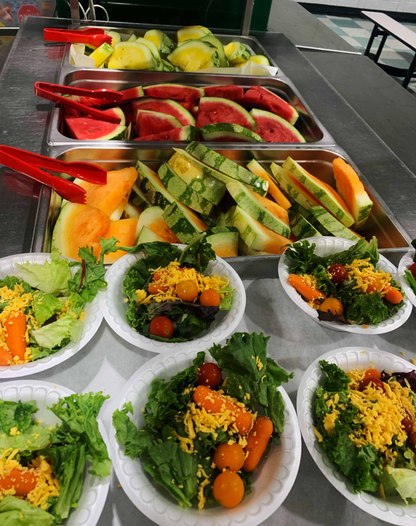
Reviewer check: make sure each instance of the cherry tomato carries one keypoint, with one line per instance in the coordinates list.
(21, 480)
(407, 424)
(228, 489)
(372, 376)
(229, 456)
(187, 290)
(412, 269)
(393, 295)
(162, 327)
(374, 286)
(155, 288)
(338, 273)
(209, 298)
(209, 374)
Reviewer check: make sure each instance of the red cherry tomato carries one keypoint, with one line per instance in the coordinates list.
(162, 327)
(412, 269)
(209, 374)
(338, 273)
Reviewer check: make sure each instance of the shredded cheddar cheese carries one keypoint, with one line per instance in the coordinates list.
(168, 277)
(365, 275)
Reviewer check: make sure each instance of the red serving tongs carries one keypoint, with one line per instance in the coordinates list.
(49, 91)
(90, 35)
(31, 164)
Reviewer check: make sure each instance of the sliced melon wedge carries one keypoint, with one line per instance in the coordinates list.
(292, 187)
(280, 198)
(183, 221)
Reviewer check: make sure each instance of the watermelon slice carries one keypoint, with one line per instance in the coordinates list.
(273, 128)
(168, 106)
(229, 91)
(259, 97)
(87, 129)
(217, 109)
(177, 92)
(153, 122)
(185, 133)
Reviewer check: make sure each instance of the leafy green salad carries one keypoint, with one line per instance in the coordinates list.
(346, 286)
(410, 272)
(169, 293)
(43, 468)
(42, 309)
(200, 423)
(365, 421)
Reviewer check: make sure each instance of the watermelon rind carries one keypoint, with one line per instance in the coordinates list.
(150, 122)
(183, 192)
(262, 98)
(274, 128)
(150, 185)
(250, 203)
(322, 193)
(213, 110)
(292, 187)
(331, 225)
(168, 106)
(224, 131)
(193, 55)
(215, 42)
(178, 92)
(302, 228)
(183, 221)
(227, 166)
(197, 176)
(225, 243)
(184, 133)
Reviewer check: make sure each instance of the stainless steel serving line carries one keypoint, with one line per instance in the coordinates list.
(295, 340)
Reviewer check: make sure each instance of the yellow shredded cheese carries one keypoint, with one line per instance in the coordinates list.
(367, 277)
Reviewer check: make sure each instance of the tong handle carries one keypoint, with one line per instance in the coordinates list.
(78, 169)
(91, 36)
(105, 95)
(43, 92)
(68, 190)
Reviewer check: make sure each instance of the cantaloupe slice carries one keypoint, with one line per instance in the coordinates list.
(114, 194)
(351, 188)
(280, 198)
(124, 230)
(152, 218)
(78, 226)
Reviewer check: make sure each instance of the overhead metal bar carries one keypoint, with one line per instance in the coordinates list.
(248, 13)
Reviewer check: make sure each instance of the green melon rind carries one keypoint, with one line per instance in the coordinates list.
(325, 198)
(149, 216)
(248, 202)
(146, 235)
(198, 176)
(215, 42)
(212, 62)
(152, 187)
(229, 239)
(183, 192)
(294, 193)
(220, 101)
(226, 130)
(331, 224)
(252, 236)
(227, 166)
(302, 228)
(181, 221)
(187, 117)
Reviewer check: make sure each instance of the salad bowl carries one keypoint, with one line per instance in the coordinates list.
(114, 308)
(92, 321)
(271, 484)
(393, 511)
(326, 246)
(46, 394)
(404, 263)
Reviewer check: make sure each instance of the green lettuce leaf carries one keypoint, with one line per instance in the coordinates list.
(19, 512)
(401, 480)
(45, 306)
(16, 414)
(50, 277)
(58, 333)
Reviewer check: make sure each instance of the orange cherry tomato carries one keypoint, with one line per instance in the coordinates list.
(228, 489)
(187, 290)
(209, 374)
(155, 288)
(229, 456)
(162, 327)
(374, 286)
(209, 298)
(21, 480)
(393, 295)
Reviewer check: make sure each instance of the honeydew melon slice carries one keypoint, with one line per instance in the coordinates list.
(267, 212)
(324, 193)
(257, 236)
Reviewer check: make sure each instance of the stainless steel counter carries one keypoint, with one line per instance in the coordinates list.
(295, 340)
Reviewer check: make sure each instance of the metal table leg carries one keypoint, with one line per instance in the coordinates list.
(410, 72)
(374, 33)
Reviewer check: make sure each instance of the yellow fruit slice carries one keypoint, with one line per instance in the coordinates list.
(194, 55)
(236, 52)
(259, 59)
(191, 33)
(101, 54)
(131, 55)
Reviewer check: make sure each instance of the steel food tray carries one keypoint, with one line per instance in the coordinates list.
(307, 124)
(126, 31)
(392, 239)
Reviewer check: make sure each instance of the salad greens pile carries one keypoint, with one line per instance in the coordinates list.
(190, 319)
(366, 468)
(410, 273)
(358, 307)
(59, 290)
(72, 447)
(156, 443)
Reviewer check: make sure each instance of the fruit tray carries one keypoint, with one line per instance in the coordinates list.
(307, 124)
(249, 42)
(381, 223)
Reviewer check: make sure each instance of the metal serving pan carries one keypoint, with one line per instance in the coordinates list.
(250, 42)
(307, 124)
(393, 240)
